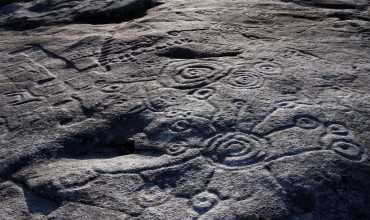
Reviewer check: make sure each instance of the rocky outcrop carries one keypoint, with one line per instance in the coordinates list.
(178, 109)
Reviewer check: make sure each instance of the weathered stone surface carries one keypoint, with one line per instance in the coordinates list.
(204, 109)
(13, 204)
(80, 211)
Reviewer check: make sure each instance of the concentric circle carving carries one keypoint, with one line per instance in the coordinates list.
(235, 150)
(190, 74)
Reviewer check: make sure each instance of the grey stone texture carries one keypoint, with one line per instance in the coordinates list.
(179, 109)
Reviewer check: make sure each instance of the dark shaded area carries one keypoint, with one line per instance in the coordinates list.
(192, 53)
(6, 2)
(131, 10)
(44, 13)
(37, 204)
(342, 197)
(105, 142)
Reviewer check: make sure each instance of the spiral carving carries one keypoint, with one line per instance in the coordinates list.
(244, 79)
(235, 150)
(193, 74)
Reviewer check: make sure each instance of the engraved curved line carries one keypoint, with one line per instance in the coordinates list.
(273, 110)
(293, 153)
(157, 167)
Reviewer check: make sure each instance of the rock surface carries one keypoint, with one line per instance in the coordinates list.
(174, 109)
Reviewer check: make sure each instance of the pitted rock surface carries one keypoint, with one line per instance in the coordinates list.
(174, 109)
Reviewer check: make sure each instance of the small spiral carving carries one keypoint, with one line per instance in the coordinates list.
(244, 79)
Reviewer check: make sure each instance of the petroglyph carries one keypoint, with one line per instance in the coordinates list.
(197, 110)
(204, 201)
(153, 196)
(242, 78)
(175, 133)
(235, 150)
(295, 54)
(20, 98)
(193, 74)
(203, 93)
(268, 68)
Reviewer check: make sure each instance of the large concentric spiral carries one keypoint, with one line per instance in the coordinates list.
(190, 74)
(244, 79)
(235, 150)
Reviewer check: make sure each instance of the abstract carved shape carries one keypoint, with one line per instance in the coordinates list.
(337, 129)
(160, 99)
(112, 87)
(175, 133)
(342, 141)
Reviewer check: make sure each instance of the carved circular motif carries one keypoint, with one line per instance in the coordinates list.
(181, 125)
(159, 100)
(306, 122)
(204, 93)
(235, 150)
(348, 150)
(268, 68)
(244, 79)
(152, 196)
(190, 74)
(204, 201)
(337, 129)
(176, 149)
(112, 88)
